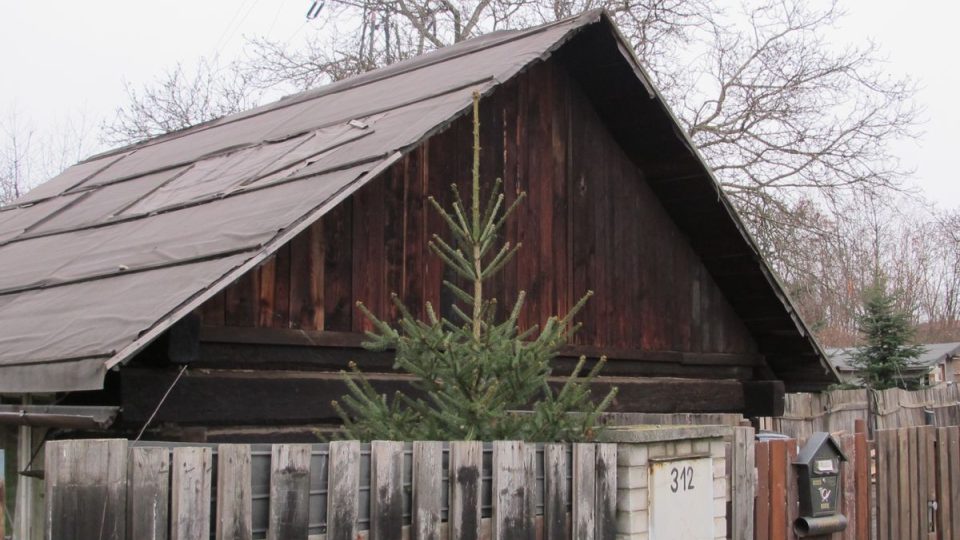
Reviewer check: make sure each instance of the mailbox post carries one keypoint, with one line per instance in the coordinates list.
(818, 479)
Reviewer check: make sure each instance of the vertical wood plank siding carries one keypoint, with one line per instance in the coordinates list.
(590, 222)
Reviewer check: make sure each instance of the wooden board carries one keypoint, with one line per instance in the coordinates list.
(466, 466)
(427, 490)
(343, 489)
(555, 491)
(234, 495)
(743, 483)
(386, 489)
(606, 488)
(148, 493)
(584, 494)
(191, 470)
(86, 492)
(510, 514)
(762, 514)
(289, 491)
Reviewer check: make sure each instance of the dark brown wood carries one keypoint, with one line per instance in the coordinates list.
(591, 221)
(230, 397)
(762, 513)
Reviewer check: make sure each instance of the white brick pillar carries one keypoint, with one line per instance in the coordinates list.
(640, 446)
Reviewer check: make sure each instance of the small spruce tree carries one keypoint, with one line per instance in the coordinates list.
(476, 372)
(888, 332)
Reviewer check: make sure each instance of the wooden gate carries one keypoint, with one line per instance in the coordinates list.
(777, 494)
(918, 483)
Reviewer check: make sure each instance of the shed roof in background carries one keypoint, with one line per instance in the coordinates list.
(934, 354)
(103, 258)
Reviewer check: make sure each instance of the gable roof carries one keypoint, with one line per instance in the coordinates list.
(100, 260)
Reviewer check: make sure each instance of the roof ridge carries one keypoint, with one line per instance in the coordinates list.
(408, 65)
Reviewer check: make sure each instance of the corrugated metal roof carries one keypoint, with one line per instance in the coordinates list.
(101, 259)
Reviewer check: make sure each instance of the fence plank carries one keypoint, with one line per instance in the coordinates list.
(944, 508)
(848, 487)
(234, 496)
(148, 493)
(386, 489)
(86, 489)
(427, 490)
(529, 492)
(792, 494)
(509, 501)
(289, 491)
(954, 451)
(903, 473)
(743, 488)
(343, 490)
(584, 490)
(192, 468)
(555, 492)
(606, 506)
(929, 434)
(862, 484)
(882, 444)
(778, 490)
(466, 460)
(762, 513)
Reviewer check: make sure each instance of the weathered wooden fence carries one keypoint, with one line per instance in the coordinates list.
(838, 410)
(918, 483)
(777, 494)
(341, 490)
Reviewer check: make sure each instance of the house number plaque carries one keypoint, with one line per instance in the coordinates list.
(681, 499)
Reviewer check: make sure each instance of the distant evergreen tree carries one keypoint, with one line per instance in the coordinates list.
(889, 348)
(475, 373)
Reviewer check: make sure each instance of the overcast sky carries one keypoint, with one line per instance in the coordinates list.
(58, 59)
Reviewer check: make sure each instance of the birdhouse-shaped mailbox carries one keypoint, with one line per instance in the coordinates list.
(818, 479)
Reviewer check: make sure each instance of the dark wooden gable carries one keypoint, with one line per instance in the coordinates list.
(591, 222)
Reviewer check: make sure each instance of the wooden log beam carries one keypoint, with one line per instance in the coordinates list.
(239, 397)
(282, 348)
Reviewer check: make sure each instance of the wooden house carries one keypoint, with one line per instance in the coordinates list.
(239, 247)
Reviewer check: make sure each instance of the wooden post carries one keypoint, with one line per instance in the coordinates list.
(762, 513)
(778, 489)
(606, 505)
(584, 490)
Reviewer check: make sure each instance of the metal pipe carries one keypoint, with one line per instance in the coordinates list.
(817, 526)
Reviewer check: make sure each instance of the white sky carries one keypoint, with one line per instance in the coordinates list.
(61, 59)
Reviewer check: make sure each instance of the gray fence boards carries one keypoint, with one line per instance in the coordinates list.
(427, 490)
(341, 490)
(86, 489)
(289, 492)
(466, 468)
(148, 493)
(191, 472)
(234, 498)
(838, 410)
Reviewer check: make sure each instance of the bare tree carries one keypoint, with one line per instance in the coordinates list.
(29, 156)
(179, 99)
